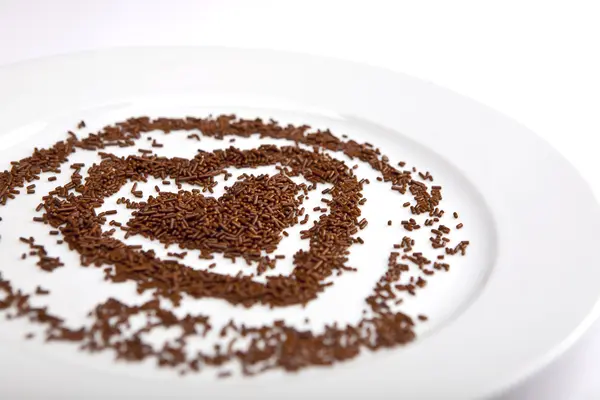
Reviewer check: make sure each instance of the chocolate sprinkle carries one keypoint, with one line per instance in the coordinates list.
(247, 222)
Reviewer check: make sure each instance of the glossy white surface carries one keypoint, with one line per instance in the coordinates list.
(476, 352)
(540, 71)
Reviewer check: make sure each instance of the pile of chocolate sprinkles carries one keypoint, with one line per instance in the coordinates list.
(247, 223)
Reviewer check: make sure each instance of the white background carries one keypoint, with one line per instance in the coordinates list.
(536, 61)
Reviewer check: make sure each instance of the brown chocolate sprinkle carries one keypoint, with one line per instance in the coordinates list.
(40, 291)
(181, 256)
(248, 221)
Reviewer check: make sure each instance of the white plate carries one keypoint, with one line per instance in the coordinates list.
(527, 289)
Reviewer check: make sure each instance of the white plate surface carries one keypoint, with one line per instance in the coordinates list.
(527, 289)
